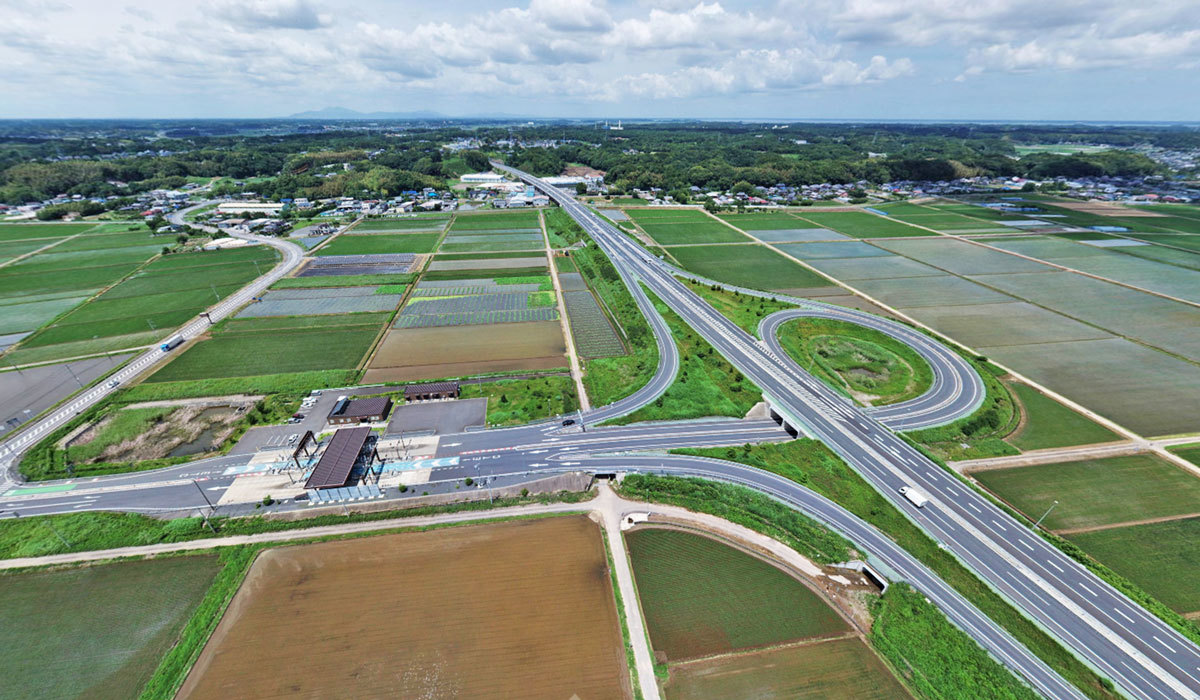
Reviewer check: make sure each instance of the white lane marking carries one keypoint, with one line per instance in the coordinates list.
(1056, 566)
(1168, 647)
(1026, 544)
(1118, 611)
(997, 524)
(1093, 593)
(974, 507)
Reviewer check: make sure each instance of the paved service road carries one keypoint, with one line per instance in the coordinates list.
(1144, 656)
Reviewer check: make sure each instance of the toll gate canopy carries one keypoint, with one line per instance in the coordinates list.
(336, 463)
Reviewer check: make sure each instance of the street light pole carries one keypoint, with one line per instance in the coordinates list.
(1039, 520)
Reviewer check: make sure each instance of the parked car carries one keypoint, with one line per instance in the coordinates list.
(293, 437)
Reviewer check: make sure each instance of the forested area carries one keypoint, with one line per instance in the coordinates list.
(125, 159)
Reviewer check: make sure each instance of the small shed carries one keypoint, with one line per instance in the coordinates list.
(352, 411)
(433, 390)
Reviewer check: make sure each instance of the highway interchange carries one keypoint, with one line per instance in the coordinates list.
(1142, 655)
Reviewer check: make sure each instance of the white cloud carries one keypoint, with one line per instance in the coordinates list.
(273, 14)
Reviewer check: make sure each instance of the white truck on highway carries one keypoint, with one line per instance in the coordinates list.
(914, 496)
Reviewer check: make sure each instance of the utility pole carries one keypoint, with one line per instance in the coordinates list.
(1039, 520)
(211, 508)
(68, 366)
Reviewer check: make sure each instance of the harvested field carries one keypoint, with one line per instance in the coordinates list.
(835, 668)
(459, 351)
(1144, 390)
(487, 264)
(1160, 557)
(593, 333)
(701, 597)
(109, 624)
(1097, 492)
(754, 266)
(545, 603)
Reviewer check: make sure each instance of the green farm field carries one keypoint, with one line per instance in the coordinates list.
(13, 232)
(1097, 492)
(753, 266)
(341, 281)
(510, 219)
(766, 221)
(414, 224)
(664, 214)
(279, 350)
(834, 668)
(1160, 557)
(706, 231)
(133, 613)
(346, 244)
(861, 224)
(1050, 424)
(702, 597)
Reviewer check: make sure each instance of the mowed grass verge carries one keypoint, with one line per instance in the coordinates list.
(1096, 492)
(109, 645)
(702, 597)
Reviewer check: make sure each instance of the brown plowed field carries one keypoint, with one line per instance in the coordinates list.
(511, 610)
(458, 351)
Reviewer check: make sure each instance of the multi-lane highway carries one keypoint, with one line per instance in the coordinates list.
(1144, 656)
(1141, 654)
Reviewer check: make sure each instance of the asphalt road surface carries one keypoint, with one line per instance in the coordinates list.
(1144, 656)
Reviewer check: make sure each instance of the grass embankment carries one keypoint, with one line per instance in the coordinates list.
(608, 379)
(46, 460)
(38, 536)
(519, 401)
(983, 431)
(871, 367)
(706, 385)
(294, 382)
(810, 463)
(562, 229)
(744, 310)
(934, 657)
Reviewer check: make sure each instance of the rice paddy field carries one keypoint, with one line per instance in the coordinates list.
(495, 220)
(1050, 424)
(691, 232)
(702, 597)
(110, 640)
(961, 258)
(1159, 556)
(147, 305)
(834, 668)
(858, 224)
(369, 244)
(754, 266)
(470, 612)
(1096, 493)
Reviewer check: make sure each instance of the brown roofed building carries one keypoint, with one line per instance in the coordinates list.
(353, 411)
(433, 390)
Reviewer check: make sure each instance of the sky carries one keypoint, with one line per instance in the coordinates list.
(1095, 60)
